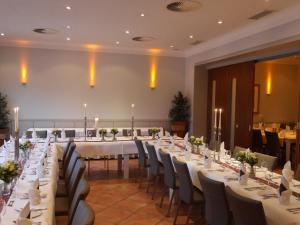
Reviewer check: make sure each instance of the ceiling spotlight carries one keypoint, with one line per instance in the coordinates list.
(68, 39)
(171, 46)
(2, 34)
(220, 22)
(117, 42)
(68, 7)
(68, 27)
(191, 36)
(127, 32)
(142, 14)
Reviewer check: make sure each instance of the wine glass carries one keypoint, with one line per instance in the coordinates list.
(269, 176)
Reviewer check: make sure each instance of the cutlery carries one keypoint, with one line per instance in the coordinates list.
(11, 203)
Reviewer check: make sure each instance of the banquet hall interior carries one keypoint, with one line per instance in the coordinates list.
(149, 112)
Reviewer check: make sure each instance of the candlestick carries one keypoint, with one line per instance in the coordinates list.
(16, 112)
(215, 123)
(85, 120)
(132, 119)
(85, 105)
(96, 122)
(220, 117)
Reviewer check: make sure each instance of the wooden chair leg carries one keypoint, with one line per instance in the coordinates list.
(189, 213)
(148, 186)
(176, 214)
(163, 196)
(170, 203)
(155, 186)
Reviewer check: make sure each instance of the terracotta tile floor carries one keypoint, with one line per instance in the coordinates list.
(118, 201)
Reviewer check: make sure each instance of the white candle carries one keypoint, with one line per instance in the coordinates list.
(96, 122)
(220, 118)
(16, 111)
(85, 105)
(215, 123)
(132, 110)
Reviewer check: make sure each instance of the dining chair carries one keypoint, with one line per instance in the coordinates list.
(216, 205)
(68, 156)
(155, 168)
(170, 180)
(126, 132)
(237, 149)
(65, 206)
(188, 194)
(268, 160)
(70, 133)
(257, 140)
(273, 146)
(91, 133)
(245, 211)
(138, 132)
(61, 161)
(41, 134)
(28, 134)
(84, 215)
(297, 173)
(143, 164)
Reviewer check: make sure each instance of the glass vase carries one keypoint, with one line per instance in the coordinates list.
(252, 172)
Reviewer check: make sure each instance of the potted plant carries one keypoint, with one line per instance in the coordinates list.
(8, 171)
(4, 116)
(102, 133)
(114, 131)
(179, 114)
(154, 132)
(56, 133)
(251, 159)
(25, 147)
(198, 142)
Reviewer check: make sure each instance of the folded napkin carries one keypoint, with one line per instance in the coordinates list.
(243, 176)
(167, 133)
(186, 137)
(284, 187)
(63, 134)
(187, 155)
(34, 197)
(248, 150)
(207, 159)
(23, 221)
(34, 136)
(160, 134)
(222, 149)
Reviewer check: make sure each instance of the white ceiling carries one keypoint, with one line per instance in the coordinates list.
(103, 22)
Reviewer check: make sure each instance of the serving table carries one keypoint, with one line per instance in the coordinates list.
(226, 171)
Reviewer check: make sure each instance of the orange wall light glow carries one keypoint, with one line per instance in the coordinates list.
(269, 83)
(92, 69)
(153, 72)
(24, 70)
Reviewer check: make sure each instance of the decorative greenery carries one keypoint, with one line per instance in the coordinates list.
(114, 131)
(25, 146)
(241, 156)
(4, 112)
(198, 142)
(8, 171)
(154, 131)
(55, 132)
(192, 139)
(103, 132)
(180, 110)
(251, 158)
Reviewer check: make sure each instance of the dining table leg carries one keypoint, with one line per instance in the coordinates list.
(126, 166)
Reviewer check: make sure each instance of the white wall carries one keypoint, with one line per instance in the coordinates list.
(58, 84)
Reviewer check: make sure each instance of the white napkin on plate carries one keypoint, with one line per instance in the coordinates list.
(34, 197)
(222, 149)
(243, 176)
(160, 134)
(34, 134)
(167, 133)
(207, 159)
(284, 187)
(63, 134)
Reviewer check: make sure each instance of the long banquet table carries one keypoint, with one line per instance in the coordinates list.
(276, 214)
(18, 203)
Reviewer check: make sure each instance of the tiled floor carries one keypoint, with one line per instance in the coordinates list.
(119, 201)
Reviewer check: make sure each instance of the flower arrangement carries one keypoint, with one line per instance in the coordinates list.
(103, 132)
(192, 140)
(198, 142)
(251, 158)
(25, 146)
(154, 131)
(114, 131)
(8, 171)
(241, 156)
(56, 132)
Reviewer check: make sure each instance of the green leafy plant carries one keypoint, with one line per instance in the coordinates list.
(192, 139)
(180, 110)
(154, 131)
(25, 146)
(114, 131)
(102, 132)
(4, 112)
(8, 171)
(241, 156)
(251, 158)
(55, 132)
(198, 142)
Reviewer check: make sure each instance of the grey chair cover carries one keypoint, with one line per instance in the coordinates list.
(84, 214)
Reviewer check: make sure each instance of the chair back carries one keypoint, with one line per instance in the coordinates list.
(91, 133)
(186, 188)
(257, 142)
(81, 193)
(126, 132)
(67, 174)
(28, 134)
(245, 211)
(84, 214)
(169, 172)
(66, 150)
(273, 144)
(153, 160)
(70, 133)
(237, 149)
(41, 134)
(297, 173)
(142, 153)
(75, 177)
(138, 132)
(270, 161)
(216, 206)
(68, 156)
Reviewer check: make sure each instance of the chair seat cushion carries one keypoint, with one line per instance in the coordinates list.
(61, 189)
(61, 206)
(198, 196)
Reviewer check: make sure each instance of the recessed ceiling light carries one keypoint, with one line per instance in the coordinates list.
(68, 27)
(220, 22)
(117, 42)
(2, 34)
(142, 14)
(191, 36)
(68, 7)
(68, 39)
(127, 32)
(171, 46)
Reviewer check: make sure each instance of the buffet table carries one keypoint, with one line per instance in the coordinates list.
(274, 211)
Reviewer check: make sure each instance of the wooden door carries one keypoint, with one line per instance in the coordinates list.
(297, 155)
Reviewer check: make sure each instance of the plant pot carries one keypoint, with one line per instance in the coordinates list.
(252, 172)
(179, 128)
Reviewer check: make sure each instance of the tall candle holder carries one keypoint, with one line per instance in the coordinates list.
(132, 127)
(85, 125)
(17, 144)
